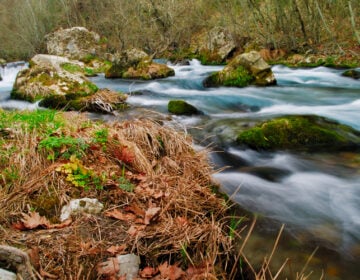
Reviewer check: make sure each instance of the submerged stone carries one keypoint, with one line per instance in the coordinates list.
(245, 69)
(180, 107)
(309, 133)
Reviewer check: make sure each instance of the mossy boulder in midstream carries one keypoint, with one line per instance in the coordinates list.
(136, 64)
(61, 84)
(181, 107)
(304, 133)
(244, 70)
(352, 73)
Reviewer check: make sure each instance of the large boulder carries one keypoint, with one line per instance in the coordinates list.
(136, 64)
(60, 83)
(214, 46)
(305, 133)
(74, 43)
(245, 69)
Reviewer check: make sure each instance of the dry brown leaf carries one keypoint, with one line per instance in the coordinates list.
(172, 272)
(102, 159)
(120, 215)
(182, 221)
(150, 214)
(134, 208)
(134, 230)
(116, 249)
(88, 248)
(34, 257)
(158, 194)
(148, 272)
(109, 267)
(64, 224)
(200, 271)
(34, 220)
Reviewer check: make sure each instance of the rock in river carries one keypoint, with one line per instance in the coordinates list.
(245, 69)
(309, 133)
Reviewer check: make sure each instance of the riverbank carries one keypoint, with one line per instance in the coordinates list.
(154, 191)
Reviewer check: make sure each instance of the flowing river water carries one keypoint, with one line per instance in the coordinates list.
(316, 195)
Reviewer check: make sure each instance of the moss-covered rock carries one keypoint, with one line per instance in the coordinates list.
(136, 64)
(60, 83)
(245, 69)
(355, 74)
(309, 133)
(180, 107)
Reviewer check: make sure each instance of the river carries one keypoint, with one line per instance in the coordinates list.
(316, 195)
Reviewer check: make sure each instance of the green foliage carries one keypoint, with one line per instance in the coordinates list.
(63, 146)
(124, 183)
(101, 136)
(80, 176)
(234, 223)
(44, 121)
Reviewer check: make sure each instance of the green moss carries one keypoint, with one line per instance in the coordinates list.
(115, 71)
(352, 74)
(72, 68)
(239, 77)
(180, 107)
(299, 132)
(88, 58)
(16, 94)
(208, 57)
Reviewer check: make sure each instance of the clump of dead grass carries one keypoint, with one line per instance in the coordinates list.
(167, 174)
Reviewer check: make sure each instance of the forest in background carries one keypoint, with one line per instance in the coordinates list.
(299, 26)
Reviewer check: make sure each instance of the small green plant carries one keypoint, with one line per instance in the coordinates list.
(234, 223)
(63, 146)
(80, 176)
(101, 136)
(124, 183)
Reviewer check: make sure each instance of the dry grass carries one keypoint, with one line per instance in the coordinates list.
(166, 172)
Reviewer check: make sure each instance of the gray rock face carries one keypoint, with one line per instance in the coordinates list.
(74, 43)
(214, 46)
